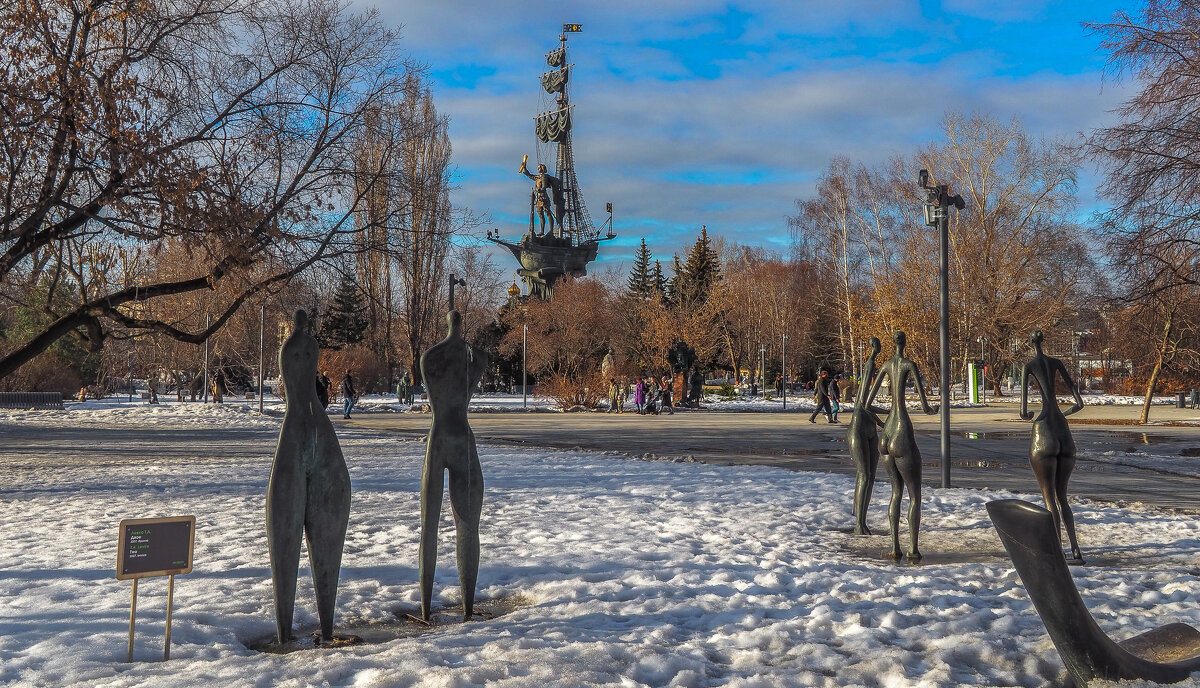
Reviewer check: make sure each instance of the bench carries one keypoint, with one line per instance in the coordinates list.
(1167, 654)
(42, 401)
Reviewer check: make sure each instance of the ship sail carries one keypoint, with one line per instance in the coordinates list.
(554, 82)
(557, 58)
(553, 127)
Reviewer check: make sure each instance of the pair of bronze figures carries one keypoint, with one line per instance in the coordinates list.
(1051, 449)
(309, 492)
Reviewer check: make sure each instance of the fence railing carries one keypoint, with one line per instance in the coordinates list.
(31, 400)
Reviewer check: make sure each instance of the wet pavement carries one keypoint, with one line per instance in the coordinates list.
(989, 446)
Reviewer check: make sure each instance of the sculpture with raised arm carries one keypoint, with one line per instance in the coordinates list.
(451, 369)
(862, 436)
(309, 492)
(1051, 447)
(544, 184)
(899, 445)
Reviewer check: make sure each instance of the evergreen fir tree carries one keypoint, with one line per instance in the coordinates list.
(700, 273)
(345, 323)
(672, 290)
(659, 280)
(640, 279)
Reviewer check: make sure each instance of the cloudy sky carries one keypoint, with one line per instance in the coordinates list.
(724, 113)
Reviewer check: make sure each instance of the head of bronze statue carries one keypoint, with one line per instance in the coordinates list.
(900, 339)
(874, 345)
(1035, 339)
(541, 167)
(454, 321)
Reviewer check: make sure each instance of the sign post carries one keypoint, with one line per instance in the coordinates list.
(154, 547)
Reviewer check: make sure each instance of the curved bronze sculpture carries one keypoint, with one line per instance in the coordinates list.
(1051, 447)
(451, 368)
(862, 437)
(1167, 654)
(899, 445)
(309, 492)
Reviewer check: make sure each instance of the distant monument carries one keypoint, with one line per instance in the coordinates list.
(309, 492)
(1051, 446)
(903, 458)
(862, 437)
(451, 369)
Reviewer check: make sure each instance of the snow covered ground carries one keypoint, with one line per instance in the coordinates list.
(628, 573)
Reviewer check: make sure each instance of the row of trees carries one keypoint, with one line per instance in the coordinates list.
(165, 168)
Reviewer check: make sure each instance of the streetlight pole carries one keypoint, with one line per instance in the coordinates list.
(784, 372)
(207, 324)
(983, 362)
(524, 377)
(262, 339)
(762, 370)
(937, 213)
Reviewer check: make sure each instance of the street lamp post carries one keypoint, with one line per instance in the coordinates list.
(983, 362)
(262, 339)
(762, 369)
(524, 377)
(204, 383)
(784, 372)
(937, 214)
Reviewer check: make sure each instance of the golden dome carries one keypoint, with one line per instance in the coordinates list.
(514, 291)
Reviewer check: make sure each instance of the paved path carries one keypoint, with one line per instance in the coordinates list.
(989, 446)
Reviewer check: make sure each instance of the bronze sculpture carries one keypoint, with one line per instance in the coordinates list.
(1167, 654)
(309, 492)
(1051, 447)
(451, 369)
(544, 184)
(899, 444)
(862, 437)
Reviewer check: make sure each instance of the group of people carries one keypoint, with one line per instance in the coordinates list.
(650, 395)
(349, 394)
(828, 397)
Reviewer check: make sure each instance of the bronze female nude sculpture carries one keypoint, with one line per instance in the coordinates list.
(899, 445)
(1051, 447)
(309, 492)
(451, 368)
(862, 436)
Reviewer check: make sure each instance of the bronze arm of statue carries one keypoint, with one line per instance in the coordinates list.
(1051, 446)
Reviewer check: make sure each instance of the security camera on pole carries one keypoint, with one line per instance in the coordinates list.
(937, 207)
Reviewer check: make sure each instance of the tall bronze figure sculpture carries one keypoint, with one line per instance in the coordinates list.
(451, 368)
(862, 436)
(899, 444)
(309, 492)
(1051, 447)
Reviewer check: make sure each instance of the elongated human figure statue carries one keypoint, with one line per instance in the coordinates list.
(862, 436)
(451, 368)
(899, 444)
(1051, 447)
(309, 492)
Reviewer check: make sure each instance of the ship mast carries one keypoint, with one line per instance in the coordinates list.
(576, 223)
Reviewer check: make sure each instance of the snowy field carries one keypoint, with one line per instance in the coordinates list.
(627, 573)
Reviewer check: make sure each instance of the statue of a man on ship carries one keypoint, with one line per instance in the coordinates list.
(560, 239)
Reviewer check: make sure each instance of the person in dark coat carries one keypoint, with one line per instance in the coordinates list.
(822, 399)
(835, 397)
(348, 394)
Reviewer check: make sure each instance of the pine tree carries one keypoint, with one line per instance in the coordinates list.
(700, 273)
(659, 280)
(641, 282)
(672, 290)
(345, 323)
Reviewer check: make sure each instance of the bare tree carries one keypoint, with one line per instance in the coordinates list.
(225, 125)
(1153, 174)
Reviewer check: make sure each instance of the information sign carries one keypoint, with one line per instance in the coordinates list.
(155, 546)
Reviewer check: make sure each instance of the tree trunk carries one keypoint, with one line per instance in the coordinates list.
(1158, 366)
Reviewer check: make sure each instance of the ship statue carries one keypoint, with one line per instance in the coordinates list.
(561, 238)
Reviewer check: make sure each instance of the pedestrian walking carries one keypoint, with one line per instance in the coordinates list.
(639, 396)
(614, 395)
(835, 397)
(349, 396)
(668, 391)
(822, 398)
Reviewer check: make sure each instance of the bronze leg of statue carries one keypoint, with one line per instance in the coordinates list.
(431, 511)
(466, 503)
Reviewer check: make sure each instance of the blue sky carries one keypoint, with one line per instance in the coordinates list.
(724, 113)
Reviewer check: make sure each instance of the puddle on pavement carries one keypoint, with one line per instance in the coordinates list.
(374, 632)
